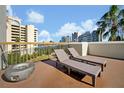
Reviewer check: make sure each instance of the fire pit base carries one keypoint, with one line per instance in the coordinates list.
(19, 72)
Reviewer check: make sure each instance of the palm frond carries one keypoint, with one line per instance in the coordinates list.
(121, 22)
(114, 10)
(98, 23)
(118, 38)
(98, 31)
(112, 38)
(106, 16)
(106, 34)
(121, 14)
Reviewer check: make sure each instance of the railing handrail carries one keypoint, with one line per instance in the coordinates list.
(35, 43)
(54, 43)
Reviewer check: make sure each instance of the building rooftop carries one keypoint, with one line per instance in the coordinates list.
(47, 75)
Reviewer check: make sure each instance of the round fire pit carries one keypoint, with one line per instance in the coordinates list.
(19, 72)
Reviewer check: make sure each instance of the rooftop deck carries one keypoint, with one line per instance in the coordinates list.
(48, 76)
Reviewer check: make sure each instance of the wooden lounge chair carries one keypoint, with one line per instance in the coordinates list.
(89, 59)
(93, 71)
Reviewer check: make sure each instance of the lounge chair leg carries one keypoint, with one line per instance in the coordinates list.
(69, 70)
(99, 74)
(56, 64)
(93, 81)
(105, 65)
(102, 66)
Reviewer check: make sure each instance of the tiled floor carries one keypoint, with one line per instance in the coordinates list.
(48, 76)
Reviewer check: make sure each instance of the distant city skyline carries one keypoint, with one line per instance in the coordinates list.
(54, 22)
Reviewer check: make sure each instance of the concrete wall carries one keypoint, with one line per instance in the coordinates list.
(107, 49)
(2, 23)
(2, 26)
(84, 48)
(77, 46)
(80, 47)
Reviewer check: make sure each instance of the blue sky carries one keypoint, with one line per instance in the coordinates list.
(56, 21)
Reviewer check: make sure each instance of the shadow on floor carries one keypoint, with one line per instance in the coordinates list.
(74, 74)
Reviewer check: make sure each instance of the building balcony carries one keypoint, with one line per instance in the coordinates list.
(47, 75)
(15, 31)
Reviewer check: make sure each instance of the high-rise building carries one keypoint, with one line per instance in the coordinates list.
(65, 39)
(62, 39)
(68, 39)
(86, 37)
(75, 37)
(94, 36)
(16, 32)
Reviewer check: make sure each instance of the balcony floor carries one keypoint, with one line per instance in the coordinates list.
(46, 75)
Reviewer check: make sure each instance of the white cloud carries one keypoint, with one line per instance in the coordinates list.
(44, 35)
(89, 25)
(9, 10)
(69, 28)
(35, 17)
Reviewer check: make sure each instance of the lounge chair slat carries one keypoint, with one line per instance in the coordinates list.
(87, 69)
(93, 70)
(90, 59)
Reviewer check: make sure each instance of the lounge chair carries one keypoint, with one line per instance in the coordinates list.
(93, 71)
(89, 59)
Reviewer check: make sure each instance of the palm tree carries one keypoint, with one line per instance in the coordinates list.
(99, 33)
(101, 29)
(110, 21)
(121, 21)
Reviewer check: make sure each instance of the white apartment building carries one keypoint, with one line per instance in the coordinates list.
(11, 30)
(16, 32)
